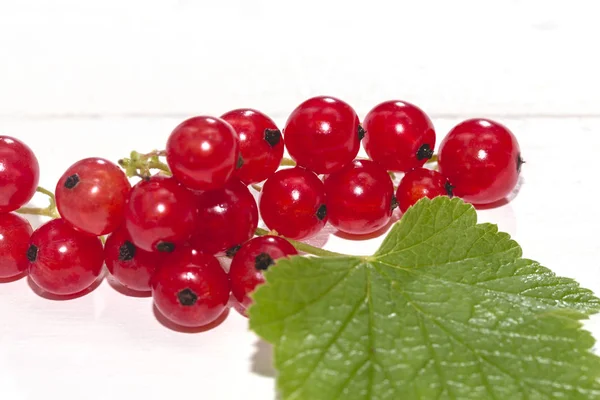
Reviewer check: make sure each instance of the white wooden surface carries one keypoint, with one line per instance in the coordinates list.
(100, 78)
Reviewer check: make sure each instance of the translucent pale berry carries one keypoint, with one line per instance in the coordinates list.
(359, 198)
(419, 183)
(227, 218)
(131, 266)
(248, 264)
(63, 261)
(15, 232)
(203, 152)
(292, 202)
(92, 194)
(19, 174)
(261, 144)
(323, 134)
(161, 214)
(192, 290)
(398, 135)
(481, 159)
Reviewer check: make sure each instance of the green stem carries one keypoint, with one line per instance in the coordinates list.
(286, 162)
(433, 159)
(49, 211)
(140, 164)
(306, 248)
(159, 165)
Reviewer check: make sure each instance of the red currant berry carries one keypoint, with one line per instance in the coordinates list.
(398, 135)
(292, 202)
(15, 232)
(203, 152)
(19, 174)
(323, 134)
(248, 264)
(261, 144)
(63, 261)
(131, 266)
(482, 160)
(192, 291)
(359, 198)
(161, 214)
(92, 194)
(419, 183)
(227, 218)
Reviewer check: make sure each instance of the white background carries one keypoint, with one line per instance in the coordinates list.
(101, 78)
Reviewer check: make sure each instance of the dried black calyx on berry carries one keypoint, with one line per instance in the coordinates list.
(425, 152)
(449, 189)
(32, 252)
(394, 203)
(72, 181)
(361, 132)
(127, 251)
(187, 297)
(520, 162)
(263, 261)
(273, 136)
(240, 162)
(322, 212)
(165, 247)
(232, 251)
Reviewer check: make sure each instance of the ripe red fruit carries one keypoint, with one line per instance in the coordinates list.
(227, 218)
(261, 144)
(323, 134)
(359, 198)
(131, 266)
(92, 194)
(481, 159)
(161, 214)
(203, 152)
(419, 183)
(63, 261)
(19, 174)
(248, 264)
(192, 290)
(15, 232)
(398, 135)
(292, 202)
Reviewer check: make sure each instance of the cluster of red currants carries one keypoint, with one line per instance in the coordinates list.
(165, 232)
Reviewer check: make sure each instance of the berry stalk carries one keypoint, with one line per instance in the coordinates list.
(287, 162)
(49, 211)
(434, 158)
(139, 164)
(301, 246)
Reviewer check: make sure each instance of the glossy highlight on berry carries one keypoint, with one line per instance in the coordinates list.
(92, 195)
(19, 174)
(261, 144)
(161, 214)
(323, 134)
(419, 183)
(192, 289)
(482, 160)
(292, 202)
(248, 264)
(203, 152)
(62, 260)
(15, 232)
(399, 135)
(227, 218)
(359, 198)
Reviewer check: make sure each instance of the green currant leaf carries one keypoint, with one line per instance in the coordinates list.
(446, 309)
